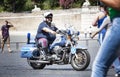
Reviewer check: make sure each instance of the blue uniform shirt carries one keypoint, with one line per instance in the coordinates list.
(43, 34)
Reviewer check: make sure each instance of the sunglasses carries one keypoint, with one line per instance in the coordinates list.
(49, 16)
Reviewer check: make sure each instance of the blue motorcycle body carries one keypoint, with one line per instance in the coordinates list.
(65, 49)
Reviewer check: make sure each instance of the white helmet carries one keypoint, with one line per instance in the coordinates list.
(48, 14)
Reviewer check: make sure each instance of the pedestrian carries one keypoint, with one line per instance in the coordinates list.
(99, 20)
(110, 48)
(6, 36)
(105, 24)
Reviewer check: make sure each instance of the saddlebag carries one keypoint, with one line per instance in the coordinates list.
(27, 50)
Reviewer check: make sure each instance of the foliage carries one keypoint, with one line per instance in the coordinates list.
(14, 5)
(65, 4)
(28, 5)
(39, 3)
(80, 2)
(94, 2)
(1, 5)
(54, 3)
(47, 4)
(1, 8)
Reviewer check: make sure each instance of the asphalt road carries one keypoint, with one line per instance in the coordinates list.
(12, 65)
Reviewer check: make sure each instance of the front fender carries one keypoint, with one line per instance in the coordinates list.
(81, 47)
(75, 48)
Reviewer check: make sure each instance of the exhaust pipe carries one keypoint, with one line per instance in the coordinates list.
(38, 61)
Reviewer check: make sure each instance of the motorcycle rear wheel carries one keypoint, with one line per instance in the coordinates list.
(36, 65)
(82, 62)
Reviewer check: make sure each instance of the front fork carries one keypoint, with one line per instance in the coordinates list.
(73, 52)
(76, 56)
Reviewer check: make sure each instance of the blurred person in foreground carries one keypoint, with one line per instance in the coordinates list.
(107, 24)
(6, 36)
(110, 48)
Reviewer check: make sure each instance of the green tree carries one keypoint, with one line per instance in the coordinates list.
(94, 2)
(46, 4)
(79, 3)
(1, 5)
(54, 3)
(14, 5)
(39, 3)
(28, 5)
(66, 4)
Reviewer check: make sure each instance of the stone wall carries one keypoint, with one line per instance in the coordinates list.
(30, 21)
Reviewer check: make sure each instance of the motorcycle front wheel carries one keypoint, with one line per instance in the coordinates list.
(82, 60)
(35, 65)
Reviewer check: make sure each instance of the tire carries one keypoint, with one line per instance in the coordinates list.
(82, 62)
(35, 65)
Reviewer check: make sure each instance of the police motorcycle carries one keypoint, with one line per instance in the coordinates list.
(64, 50)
